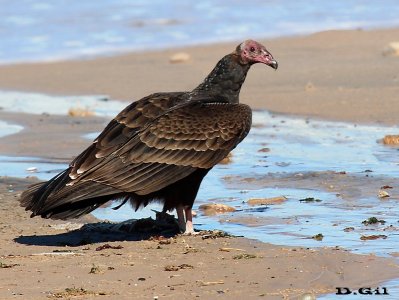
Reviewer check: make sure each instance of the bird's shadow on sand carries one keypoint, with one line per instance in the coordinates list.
(131, 230)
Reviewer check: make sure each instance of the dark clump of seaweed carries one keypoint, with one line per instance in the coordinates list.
(309, 200)
(372, 221)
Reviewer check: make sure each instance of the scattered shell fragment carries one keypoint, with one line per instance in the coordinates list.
(215, 208)
(265, 149)
(309, 87)
(392, 49)
(391, 140)
(170, 268)
(96, 270)
(206, 283)
(383, 194)
(307, 296)
(73, 292)
(244, 256)
(373, 237)
(179, 57)
(227, 249)
(177, 268)
(349, 229)
(267, 201)
(80, 112)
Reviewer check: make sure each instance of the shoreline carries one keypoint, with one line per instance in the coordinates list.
(333, 75)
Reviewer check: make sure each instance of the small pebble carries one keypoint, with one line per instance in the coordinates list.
(216, 208)
(383, 194)
(309, 87)
(392, 49)
(179, 57)
(267, 201)
(391, 140)
(307, 296)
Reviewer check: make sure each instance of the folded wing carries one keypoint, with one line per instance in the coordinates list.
(144, 153)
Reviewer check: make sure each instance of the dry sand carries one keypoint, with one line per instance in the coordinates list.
(338, 75)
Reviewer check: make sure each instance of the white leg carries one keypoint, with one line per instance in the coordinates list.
(189, 222)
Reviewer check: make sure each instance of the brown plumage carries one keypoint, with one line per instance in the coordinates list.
(157, 148)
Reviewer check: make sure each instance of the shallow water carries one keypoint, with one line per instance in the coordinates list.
(7, 129)
(30, 166)
(35, 103)
(48, 30)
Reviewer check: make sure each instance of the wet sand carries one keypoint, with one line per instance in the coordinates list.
(338, 75)
(48, 136)
(40, 258)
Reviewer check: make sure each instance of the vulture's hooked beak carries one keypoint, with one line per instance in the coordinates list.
(274, 64)
(266, 58)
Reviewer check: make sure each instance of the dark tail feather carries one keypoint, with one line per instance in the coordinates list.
(35, 197)
(56, 200)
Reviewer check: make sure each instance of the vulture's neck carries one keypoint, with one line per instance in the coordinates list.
(225, 80)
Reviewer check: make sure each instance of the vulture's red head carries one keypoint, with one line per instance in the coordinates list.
(252, 52)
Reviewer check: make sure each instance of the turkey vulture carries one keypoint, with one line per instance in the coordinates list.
(158, 148)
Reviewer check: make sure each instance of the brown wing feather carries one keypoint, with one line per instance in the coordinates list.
(122, 128)
(159, 146)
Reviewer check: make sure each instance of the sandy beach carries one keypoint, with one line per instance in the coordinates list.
(336, 75)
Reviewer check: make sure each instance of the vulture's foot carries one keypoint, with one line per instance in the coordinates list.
(185, 220)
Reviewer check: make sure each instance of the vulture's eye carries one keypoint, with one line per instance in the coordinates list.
(252, 49)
